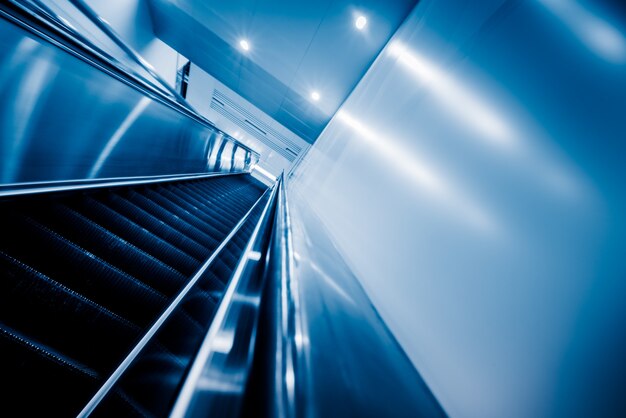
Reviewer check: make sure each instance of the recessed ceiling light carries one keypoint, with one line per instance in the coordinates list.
(315, 96)
(244, 45)
(360, 22)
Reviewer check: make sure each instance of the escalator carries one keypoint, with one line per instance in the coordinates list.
(86, 273)
(128, 289)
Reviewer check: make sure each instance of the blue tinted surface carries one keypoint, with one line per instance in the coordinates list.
(64, 119)
(347, 364)
(475, 183)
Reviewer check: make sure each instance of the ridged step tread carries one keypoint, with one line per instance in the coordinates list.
(84, 274)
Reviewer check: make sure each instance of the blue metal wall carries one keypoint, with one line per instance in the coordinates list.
(63, 118)
(475, 181)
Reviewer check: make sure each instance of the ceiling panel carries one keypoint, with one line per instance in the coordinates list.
(296, 48)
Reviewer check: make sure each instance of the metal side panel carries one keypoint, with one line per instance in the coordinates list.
(64, 118)
(324, 350)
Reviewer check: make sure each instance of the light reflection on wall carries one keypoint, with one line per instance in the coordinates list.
(118, 135)
(464, 104)
(424, 175)
(31, 86)
(264, 172)
(596, 33)
(500, 131)
(526, 323)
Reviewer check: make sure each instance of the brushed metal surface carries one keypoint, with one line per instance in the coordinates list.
(62, 118)
(475, 181)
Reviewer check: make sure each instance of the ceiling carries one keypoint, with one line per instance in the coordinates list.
(296, 47)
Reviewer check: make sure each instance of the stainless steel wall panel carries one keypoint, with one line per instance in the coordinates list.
(61, 118)
(475, 182)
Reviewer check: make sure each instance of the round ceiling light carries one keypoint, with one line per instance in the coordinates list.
(244, 44)
(315, 96)
(360, 22)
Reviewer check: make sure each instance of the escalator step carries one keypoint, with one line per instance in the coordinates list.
(232, 196)
(219, 224)
(205, 207)
(137, 235)
(240, 197)
(176, 218)
(43, 250)
(183, 210)
(38, 380)
(61, 318)
(161, 224)
(116, 251)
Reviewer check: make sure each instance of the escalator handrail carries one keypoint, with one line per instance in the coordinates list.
(61, 35)
(185, 397)
(124, 365)
(290, 377)
(20, 189)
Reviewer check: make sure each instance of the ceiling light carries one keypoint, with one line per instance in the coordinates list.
(360, 22)
(315, 96)
(244, 45)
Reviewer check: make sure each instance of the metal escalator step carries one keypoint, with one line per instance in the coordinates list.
(145, 381)
(233, 196)
(210, 209)
(56, 257)
(41, 380)
(61, 318)
(153, 381)
(116, 251)
(137, 235)
(38, 379)
(213, 227)
(232, 210)
(216, 224)
(239, 197)
(160, 223)
(211, 282)
(237, 182)
(122, 405)
(179, 220)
